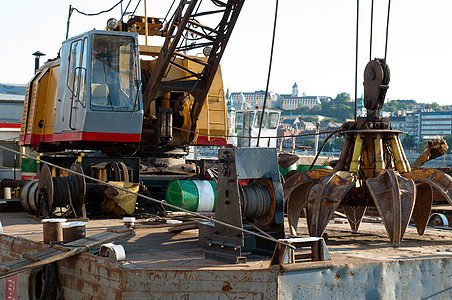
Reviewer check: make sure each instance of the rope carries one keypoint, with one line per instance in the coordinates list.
(152, 199)
(268, 75)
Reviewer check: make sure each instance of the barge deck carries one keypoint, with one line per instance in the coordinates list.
(164, 265)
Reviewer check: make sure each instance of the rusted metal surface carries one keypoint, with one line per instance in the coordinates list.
(354, 216)
(163, 265)
(196, 284)
(423, 206)
(284, 256)
(323, 199)
(376, 80)
(55, 253)
(285, 160)
(435, 148)
(45, 192)
(261, 201)
(394, 197)
(296, 190)
(374, 154)
(437, 179)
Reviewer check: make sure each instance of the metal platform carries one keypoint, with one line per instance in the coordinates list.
(163, 265)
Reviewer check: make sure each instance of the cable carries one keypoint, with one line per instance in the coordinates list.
(125, 10)
(268, 75)
(133, 13)
(96, 14)
(371, 29)
(323, 145)
(164, 19)
(250, 137)
(356, 59)
(152, 199)
(387, 31)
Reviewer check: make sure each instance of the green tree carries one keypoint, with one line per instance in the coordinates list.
(337, 109)
(434, 106)
(448, 139)
(308, 119)
(309, 143)
(409, 142)
(338, 143)
(327, 147)
(395, 105)
(422, 146)
(342, 98)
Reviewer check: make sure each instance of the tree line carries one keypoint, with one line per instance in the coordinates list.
(341, 108)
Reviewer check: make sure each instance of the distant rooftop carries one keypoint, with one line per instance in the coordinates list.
(12, 92)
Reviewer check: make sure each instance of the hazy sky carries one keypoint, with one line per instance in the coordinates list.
(315, 43)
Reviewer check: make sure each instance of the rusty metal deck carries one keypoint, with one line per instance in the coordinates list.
(160, 265)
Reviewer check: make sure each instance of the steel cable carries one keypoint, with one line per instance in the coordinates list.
(268, 75)
(152, 199)
(98, 13)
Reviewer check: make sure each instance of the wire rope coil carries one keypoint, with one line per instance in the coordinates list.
(60, 192)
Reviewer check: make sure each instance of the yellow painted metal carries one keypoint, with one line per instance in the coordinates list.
(149, 50)
(208, 119)
(213, 119)
(405, 160)
(379, 163)
(39, 106)
(186, 109)
(400, 164)
(357, 150)
(123, 203)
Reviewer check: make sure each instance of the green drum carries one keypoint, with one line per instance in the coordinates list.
(193, 195)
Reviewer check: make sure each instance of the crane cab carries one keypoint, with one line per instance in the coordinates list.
(89, 96)
(247, 122)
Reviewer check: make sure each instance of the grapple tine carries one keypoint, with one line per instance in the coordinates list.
(295, 204)
(436, 178)
(311, 175)
(354, 216)
(295, 194)
(394, 197)
(323, 199)
(423, 206)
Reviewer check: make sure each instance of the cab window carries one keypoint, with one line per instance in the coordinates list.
(74, 67)
(257, 122)
(273, 119)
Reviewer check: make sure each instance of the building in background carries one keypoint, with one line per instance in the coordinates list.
(245, 100)
(435, 124)
(293, 101)
(11, 106)
(398, 123)
(412, 125)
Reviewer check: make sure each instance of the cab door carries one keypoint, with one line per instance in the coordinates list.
(76, 82)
